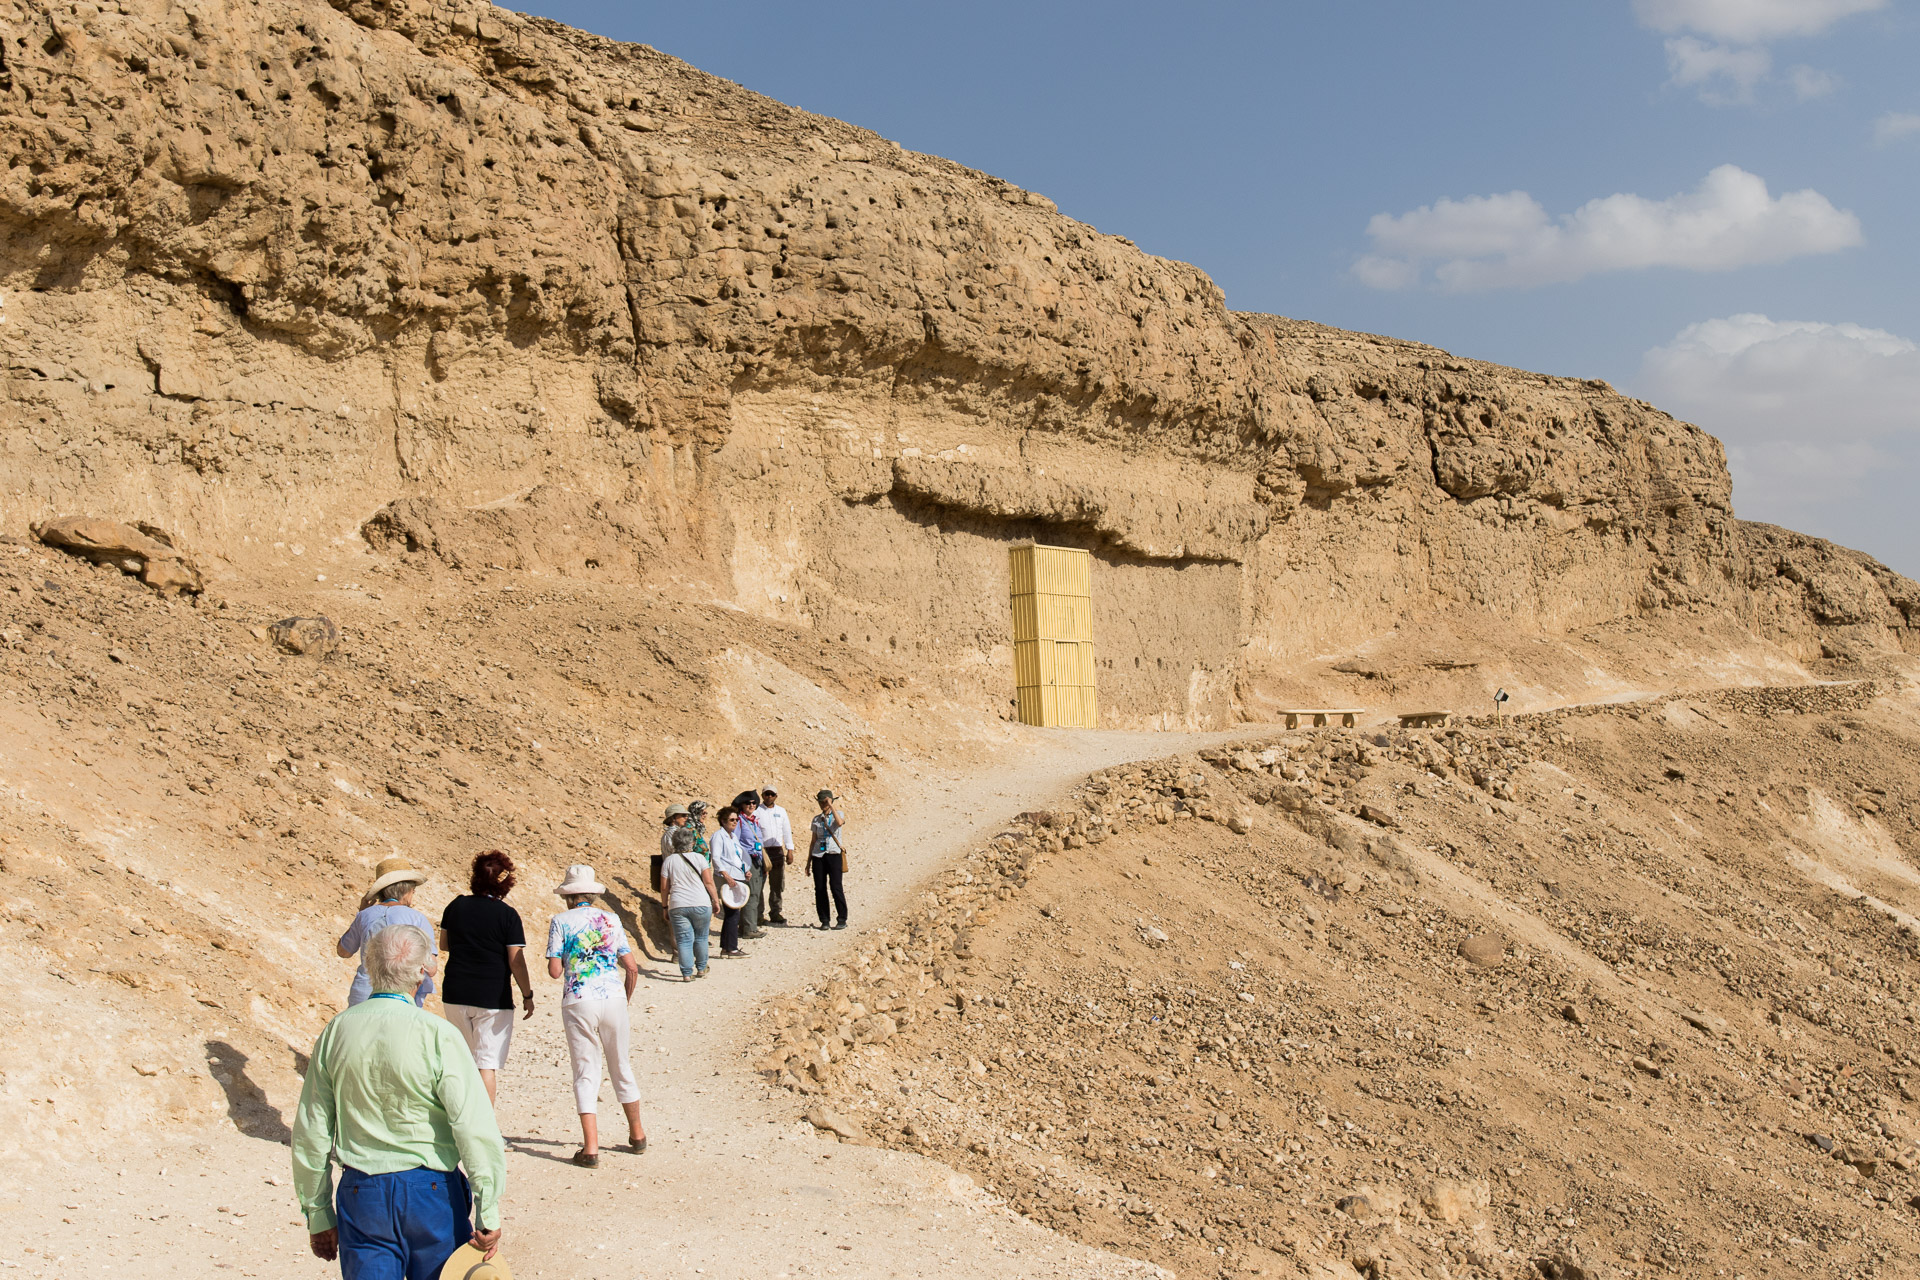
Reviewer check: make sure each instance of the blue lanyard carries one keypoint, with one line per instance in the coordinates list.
(390, 995)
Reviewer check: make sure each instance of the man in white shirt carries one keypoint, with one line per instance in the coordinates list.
(777, 831)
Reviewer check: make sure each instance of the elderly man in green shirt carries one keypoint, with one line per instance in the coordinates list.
(392, 1092)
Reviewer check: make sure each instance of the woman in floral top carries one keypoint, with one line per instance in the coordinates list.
(587, 949)
(697, 823)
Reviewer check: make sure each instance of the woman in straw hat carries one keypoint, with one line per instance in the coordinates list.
(388, 900)
(677, 817)
(587, 949)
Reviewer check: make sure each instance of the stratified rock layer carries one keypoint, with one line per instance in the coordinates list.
(271, 267)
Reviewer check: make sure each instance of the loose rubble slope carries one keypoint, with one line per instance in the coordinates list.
(1629, 991)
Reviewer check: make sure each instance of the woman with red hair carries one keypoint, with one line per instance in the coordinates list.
(485, 945)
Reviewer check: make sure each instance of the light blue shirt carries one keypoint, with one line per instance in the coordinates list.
(729, 856)
(370, 921)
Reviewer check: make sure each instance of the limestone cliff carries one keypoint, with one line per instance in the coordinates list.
(273, 266)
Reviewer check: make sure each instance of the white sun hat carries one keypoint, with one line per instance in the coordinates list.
(579, 880)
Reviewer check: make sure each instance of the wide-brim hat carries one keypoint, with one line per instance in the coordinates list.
(392, 871)
(734, 895)
(676, 811)
(579, 880)
(468, 1263)
(746, 798)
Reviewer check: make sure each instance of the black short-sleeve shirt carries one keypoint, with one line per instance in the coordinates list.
(479, 931)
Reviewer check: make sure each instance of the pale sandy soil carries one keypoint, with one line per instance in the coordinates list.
(731, 1184)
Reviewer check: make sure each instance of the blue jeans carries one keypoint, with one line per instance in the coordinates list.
(690, 925)
(400, 1226)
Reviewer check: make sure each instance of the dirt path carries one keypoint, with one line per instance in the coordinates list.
(731, 1185)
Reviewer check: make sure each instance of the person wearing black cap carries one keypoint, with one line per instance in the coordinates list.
(827, 861)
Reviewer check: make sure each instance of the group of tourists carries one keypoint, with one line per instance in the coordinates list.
(740, 872)
(392, 1093)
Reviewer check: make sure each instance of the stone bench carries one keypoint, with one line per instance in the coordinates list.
(1425, 719)
(1348, 716)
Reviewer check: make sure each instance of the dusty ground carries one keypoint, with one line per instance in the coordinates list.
(731, 1184)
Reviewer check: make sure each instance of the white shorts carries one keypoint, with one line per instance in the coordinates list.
(488, 1032)
(597, 1029)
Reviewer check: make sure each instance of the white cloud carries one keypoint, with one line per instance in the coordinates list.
(1781, 476)
(1806, 409)
(1728, 66)
(1749, 21)
(1894, 126)
(1509, 241)
(1809, 83)
(1723, 76)
(1386, 273)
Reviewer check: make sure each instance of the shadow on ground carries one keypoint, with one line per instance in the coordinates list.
(247, 1104)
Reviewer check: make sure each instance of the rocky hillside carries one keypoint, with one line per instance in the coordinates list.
(1627, 992)
(271, 267)
(429, 428)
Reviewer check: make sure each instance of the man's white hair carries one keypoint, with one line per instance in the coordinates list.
(395, 956)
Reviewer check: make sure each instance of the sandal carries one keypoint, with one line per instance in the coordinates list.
(586, 1160)
(637, 1146)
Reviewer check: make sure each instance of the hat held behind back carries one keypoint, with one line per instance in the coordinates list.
(468, 1264)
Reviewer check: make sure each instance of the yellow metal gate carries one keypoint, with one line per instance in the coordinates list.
(1053, 636)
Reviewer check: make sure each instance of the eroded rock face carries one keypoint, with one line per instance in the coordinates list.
(279, 265)
(548, 530)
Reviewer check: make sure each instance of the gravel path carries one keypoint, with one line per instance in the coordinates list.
(731, 1185)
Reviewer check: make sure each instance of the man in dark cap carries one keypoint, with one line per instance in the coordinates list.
(827, 861)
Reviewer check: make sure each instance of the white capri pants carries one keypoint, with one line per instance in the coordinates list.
(596, 1028)
(488, 1032)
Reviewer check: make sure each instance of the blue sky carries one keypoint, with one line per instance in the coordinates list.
(1709, 203)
